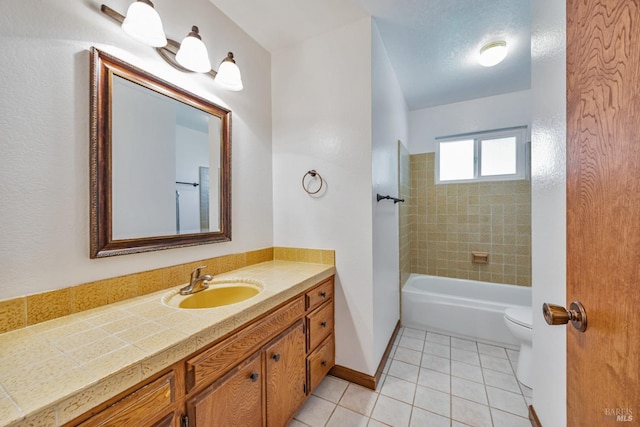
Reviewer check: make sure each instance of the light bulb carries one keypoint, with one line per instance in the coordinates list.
(143, 24)
(229, 74)
(493, 53)
(193, 53)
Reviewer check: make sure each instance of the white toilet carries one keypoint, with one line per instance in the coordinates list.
(519, 321)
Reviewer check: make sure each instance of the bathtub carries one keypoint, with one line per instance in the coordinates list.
(461, 308)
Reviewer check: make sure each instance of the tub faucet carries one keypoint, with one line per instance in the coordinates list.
(197, 282)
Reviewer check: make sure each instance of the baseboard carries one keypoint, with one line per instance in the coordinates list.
(533, 417)
(360, 378)
(353, 376)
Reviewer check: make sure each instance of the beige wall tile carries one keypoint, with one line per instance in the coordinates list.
(455, 219)
(150, 281)
(48, 305)
(122, 288)
(89, 295)
(13, 314)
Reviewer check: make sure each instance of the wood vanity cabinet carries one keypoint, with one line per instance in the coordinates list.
(259, 375)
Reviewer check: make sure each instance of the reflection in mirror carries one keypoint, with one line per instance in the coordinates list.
(160, 163)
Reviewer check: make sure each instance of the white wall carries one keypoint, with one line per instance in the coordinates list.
(493, 112)
(389, 124)
(322, 121)
(44, 136)
(548, 183)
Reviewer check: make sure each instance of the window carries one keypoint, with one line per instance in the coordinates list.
(484, 156)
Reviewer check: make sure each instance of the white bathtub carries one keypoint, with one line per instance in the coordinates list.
(461, 308)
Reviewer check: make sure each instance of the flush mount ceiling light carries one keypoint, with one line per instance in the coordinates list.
(144, 24)
(493, 53)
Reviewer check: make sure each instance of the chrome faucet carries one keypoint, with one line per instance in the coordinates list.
(197, 282)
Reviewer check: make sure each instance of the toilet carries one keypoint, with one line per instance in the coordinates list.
(519, 321)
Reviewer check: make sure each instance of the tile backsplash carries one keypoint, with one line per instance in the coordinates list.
(29, 310)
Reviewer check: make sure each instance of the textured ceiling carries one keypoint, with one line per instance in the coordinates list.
(432, 44)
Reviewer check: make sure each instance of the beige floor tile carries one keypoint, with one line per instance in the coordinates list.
(438, 338)
(505, 419)
(506, 401)
(469, 390)
(434, 379)
(501, 380)
(411, 343)
(343, 417)
(405, 371)
(492, 350)
(436, 363)
(436, 349)
(470, 413)
(399, 389)
(392, 412)
(464, 344)
(331, 389)
(359, 399)
(315, 412)
(433, 400)
(496, 363)
(422, 418)
(465, 356)
(408, 356)
(466, 371)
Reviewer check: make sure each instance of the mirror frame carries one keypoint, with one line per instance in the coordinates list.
(103, 67)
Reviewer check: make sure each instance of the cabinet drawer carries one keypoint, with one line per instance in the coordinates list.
(143, 407)
(319, 325)
(214, 362)
(320, 362)
(319, 294)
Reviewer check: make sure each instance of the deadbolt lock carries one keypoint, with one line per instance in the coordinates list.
(558, 315)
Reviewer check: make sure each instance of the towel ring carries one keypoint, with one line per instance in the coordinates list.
(313, 174)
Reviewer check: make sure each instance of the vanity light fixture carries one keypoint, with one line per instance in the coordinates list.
(142, 23)
(192, 54)
(493, 53)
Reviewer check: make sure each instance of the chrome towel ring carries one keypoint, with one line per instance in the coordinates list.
(313, 175)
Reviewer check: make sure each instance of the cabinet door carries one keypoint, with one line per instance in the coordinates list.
(233, 400)
(285, 375)
(143, 407)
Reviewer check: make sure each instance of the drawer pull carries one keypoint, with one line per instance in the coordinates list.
(254, 377)
(323, 294)
(323, 324)
(323, 363)
(276, 357)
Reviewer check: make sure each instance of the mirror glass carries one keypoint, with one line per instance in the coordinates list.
(160, 163)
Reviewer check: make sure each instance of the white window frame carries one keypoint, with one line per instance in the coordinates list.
(522, 154)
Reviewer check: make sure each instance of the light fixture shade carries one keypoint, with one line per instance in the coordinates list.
(144, 24)
(193, 53)
(493, 53)
(229, 74)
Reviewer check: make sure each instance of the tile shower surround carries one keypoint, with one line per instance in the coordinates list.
(449, 221)
(430, 380)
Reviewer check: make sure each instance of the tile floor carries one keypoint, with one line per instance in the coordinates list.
(429, 380)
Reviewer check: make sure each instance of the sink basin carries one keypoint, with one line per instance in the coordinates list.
(221, 292)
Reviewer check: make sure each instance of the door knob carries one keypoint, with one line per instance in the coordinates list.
(558, 315)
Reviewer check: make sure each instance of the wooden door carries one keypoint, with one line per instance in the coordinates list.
(233, 400)
(286, 375)
(603, 210)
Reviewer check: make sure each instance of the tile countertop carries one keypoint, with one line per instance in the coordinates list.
(52, 372)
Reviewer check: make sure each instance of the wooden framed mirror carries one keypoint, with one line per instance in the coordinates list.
(160, 163)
